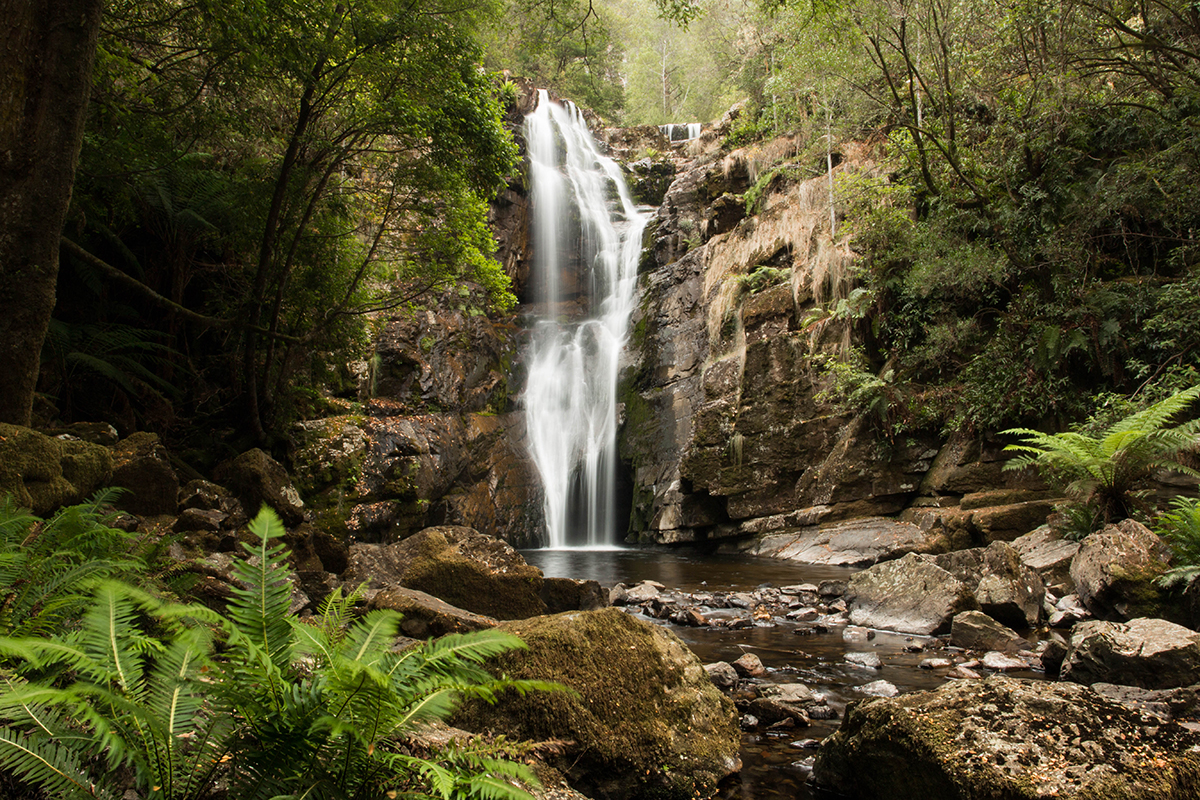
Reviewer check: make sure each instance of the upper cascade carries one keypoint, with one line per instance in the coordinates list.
(681, 132)
(587, 235)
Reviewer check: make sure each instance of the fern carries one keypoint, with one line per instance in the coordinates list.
(288, 709)
(1107, 470)
(1181, 529)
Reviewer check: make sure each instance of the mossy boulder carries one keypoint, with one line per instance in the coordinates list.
(459, 565)
(142, 466)
(43, 473)
(643, 720)
(1006, 739)
(1115, 569)
(257, 479)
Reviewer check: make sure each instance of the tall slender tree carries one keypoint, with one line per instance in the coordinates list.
(46, 54)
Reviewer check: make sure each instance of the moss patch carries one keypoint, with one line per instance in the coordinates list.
(645, 722)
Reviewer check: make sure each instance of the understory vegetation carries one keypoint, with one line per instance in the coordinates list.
(122, 688)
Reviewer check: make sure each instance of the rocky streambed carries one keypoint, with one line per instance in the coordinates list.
(967, 707)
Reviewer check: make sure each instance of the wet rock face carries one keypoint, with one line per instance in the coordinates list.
(383, 477)
(646, 722)
(1004, 738)
(729, 432)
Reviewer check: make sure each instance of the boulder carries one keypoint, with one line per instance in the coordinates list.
(142, 465)
(1050, 556)
(1004, 587)
(1003, 738)
(644, 720)
(911, 595)
(257, 479)
(569, 594)
(43, 473)
(459, 565)
(1115, 568)
(426, 616)
(1150, 653)
(975, 630)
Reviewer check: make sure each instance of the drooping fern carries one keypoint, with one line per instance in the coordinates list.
(1107, 470)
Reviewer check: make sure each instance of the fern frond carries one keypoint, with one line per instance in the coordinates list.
(48, 764)
(259, 608)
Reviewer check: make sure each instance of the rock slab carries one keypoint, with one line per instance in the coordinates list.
(910, 595)
(1150, 653)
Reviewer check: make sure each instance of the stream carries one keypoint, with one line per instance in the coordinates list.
(775, 765)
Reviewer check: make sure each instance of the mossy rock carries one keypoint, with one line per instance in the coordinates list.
(1006, 739)
(43, 473)
(455, 564)
(643, 719)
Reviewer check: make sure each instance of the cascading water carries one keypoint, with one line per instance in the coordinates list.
(587, 236)
(681, 132)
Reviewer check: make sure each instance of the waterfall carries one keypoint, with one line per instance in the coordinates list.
(587, 236)
(681, 132)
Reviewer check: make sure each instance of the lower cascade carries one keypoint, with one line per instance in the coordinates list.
(587, 236)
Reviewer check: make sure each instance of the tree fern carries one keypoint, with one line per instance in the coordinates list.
(1107, 469)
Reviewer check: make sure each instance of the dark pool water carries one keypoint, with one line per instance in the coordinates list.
(775, 766)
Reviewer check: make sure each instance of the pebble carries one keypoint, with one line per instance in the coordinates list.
(1003, 663)
(869, 660)
(879, 689)
(935, 663)
(855, 633)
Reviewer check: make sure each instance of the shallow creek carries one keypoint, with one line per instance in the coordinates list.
(775, 764)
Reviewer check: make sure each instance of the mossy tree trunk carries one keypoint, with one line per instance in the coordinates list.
(46, 54)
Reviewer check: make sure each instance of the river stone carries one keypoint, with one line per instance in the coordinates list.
(749, 666)
(43, 473)
(722, 674)
(783, 701)
(1115, 568)
(911, 595)
(1150, 653)
(644, 721)
(974, 630)
(1004, 587)
(861, 659)
(879, 688)
(1006, 739)
(459, 565)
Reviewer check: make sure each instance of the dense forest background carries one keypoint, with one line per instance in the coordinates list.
(258, 179)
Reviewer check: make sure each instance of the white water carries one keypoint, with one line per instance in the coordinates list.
(681, 132)
(584, 215)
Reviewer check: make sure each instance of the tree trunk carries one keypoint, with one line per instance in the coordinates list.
(46, 54)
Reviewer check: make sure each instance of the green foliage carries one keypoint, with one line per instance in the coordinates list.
(1180, 528)
(48, 567)
(140, 697)
(280, 171)
(1105, 471)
